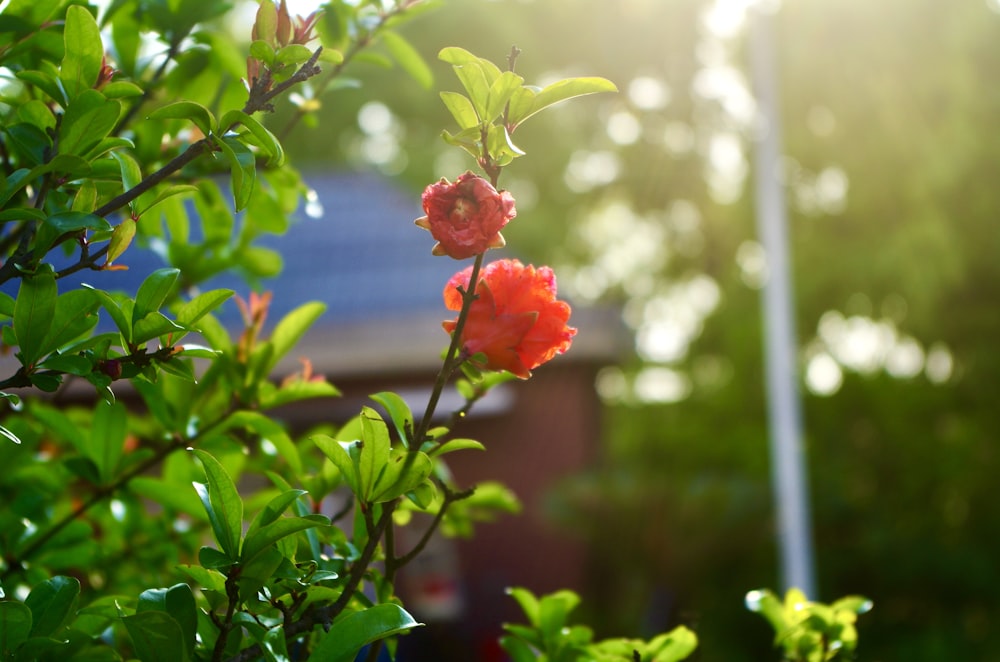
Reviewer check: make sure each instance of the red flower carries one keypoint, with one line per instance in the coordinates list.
(465, 217)
(516, 321)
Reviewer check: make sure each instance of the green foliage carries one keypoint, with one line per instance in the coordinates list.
(549, 637)
(809, 631)
(224, 552)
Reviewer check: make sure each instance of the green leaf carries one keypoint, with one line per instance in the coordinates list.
(15, 625)
(116, 310)
(169, 192)
(374, 451)
(269, 429)
(30, 142)
(673, 646)
(453, 445)
(121, 239)
(88, 120)
(178, 602)
(106, 441)
(34, 310)
(156, 636)
(266, 139)
(75, 315)
(399, 412)
(393, 483)
(211, 580)
(51, 603)
(186, 110)
(153, 325)
(153, 292)
(501, 91)
(528, 602)
(461, 109)
(409, 59)
(274, 509)
(338, 453)
(552, 94)
(71, 221)
(4, 432)
(269, 534)
(131, 173)
(292, 327)
(83, 53)
(242, 168)
(191, 311)
(222, 503)
(169, 495)
(353, 632)
(121, 89)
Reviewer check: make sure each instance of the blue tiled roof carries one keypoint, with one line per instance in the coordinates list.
(363, 257)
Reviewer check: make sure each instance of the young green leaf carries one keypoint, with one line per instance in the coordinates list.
(186, 110)
(222, 503)
(83, 51)
(461, 109)
(399, 413)
(552, 94)
(291, 328)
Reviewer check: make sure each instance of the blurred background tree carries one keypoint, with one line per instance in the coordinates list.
(641, 200)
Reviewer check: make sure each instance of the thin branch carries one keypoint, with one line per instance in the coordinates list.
(450, 497)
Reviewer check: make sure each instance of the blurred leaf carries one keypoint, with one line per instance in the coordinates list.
(289, 331)
(408, 58)
(51, 603)
(157, 636)
(34, 310)
(15, 624)
(351, 633)
(106, 440)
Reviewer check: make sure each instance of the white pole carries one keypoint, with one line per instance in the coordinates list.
(791, 497)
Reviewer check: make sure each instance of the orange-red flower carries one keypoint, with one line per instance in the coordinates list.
(516, 322)
(465, 217)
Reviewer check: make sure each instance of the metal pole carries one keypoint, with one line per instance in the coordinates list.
(791, 497)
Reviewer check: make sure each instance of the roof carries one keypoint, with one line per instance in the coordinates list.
(363, 257)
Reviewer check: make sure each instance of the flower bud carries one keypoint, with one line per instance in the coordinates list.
(465, 217)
